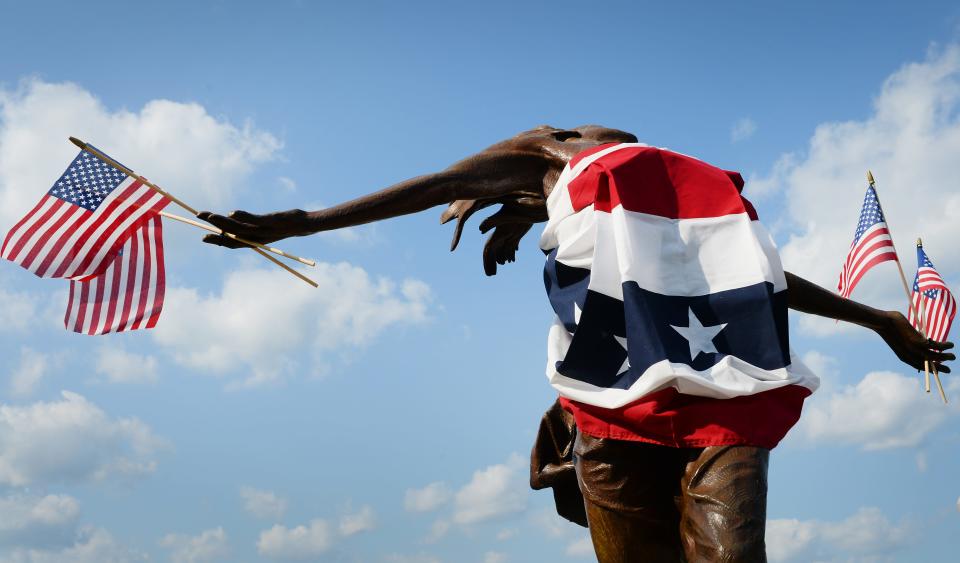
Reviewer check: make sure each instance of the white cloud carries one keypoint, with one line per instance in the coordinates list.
(32, 368)
(493, 492)
(92, 545)
(260, 317)
(363, 520)
(582, 547)
(119, 366)
(18, 309)
(507, 533)
(884, 410)
(431, 497)
(209, 545)
(287, 184)
(494, 557)
(71, 439)
(32, 521)
(263, 504)
(437, 530)
(301, 542)
(743, 129)
(910, 142)
(866, 533)
(558, 529)
(178, 145)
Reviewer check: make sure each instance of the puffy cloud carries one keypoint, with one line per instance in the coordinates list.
(866, 533)
(71, 439)
(117, 365)
(910, 141)
(582, 547)
(92, 545)
(33, 366)
(884, 410)
(579, 544)
(743, 129)
(361, 521)
(301, 542)
(18, 309)
(209, 545)
(437, 530)
(494, 557)
(493, 492)
(431, 497)
(264, 504)
(261, 316)
(32, 521)
(178, 145)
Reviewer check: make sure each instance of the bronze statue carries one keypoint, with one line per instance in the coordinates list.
(643, 502)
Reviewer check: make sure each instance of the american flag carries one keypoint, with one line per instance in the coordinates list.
(80, 224)
(129, 294)
(871, 244)
(932, 300)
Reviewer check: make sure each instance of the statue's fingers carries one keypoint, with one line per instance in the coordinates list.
(229, 224)
(244, 217)
(939, 345)
(941, 356)
(221, 240)
(943, 368)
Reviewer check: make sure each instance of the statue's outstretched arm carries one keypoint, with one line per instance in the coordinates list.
(487, 175)
(892, 326)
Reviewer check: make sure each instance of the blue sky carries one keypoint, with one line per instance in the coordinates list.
(388, 415)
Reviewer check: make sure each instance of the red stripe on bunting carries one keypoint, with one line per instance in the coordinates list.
(657, 182)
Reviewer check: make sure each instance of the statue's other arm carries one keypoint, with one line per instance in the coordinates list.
(488, 175)
(892, 326)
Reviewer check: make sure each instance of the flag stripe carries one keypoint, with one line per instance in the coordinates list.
(102, 222)
(129, 294)
(109, 238)
(871, 245)
(28, 230)
(935, 305)
(82, 231)
(160, 287)
(15, 231)
(43, 243)
(61, 239)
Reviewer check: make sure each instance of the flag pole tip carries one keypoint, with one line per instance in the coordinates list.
(78, 142)
(870, 177)
(919, 242)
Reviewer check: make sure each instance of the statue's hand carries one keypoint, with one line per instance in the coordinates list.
(257, 228)
(910, 346)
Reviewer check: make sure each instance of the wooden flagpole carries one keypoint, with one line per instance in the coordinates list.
(922, 320)
(903, 280)
(96, 152)
(923, 330)
(260, 252)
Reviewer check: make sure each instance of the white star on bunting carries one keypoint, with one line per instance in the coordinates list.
(699, 337)
(626, 361)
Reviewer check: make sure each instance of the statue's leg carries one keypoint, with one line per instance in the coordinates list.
(724, 504)
(631, 491)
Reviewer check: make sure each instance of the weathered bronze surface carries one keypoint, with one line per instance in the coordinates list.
(643, 502)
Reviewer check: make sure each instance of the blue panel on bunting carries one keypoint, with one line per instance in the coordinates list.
(749, 323)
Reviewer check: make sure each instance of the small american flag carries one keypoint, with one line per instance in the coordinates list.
(129, 294)
(80, 224)
(932, 300)
(871, 244)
